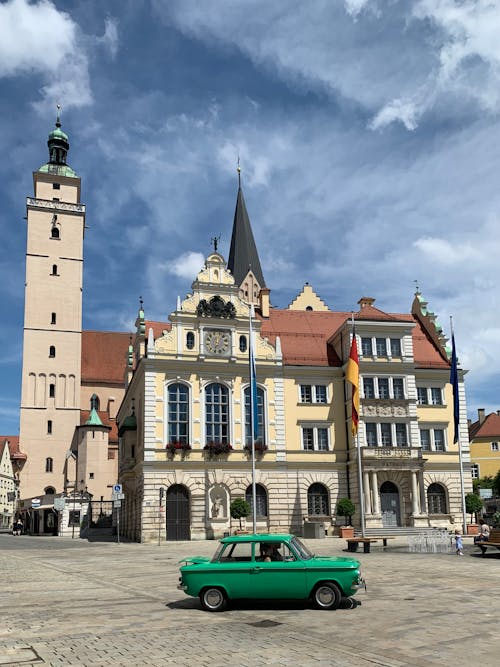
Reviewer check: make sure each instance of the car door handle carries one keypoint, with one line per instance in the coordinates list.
(256, 570)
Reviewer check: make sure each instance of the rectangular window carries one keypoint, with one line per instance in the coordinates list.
(494, 446)
(395, 347)
(439, 440)
(425, 439)
(320, 393)
(313, 393)
(368, 388)
(315, 438)
(436, 396)
(381, 347)
(422, 396)
(383, 387)
(366, 347)
(401, 438)
(53, 318)
(49, 426)
(474, 470)
(52, 390)
(305, 393)
(385, 433)
(371, 434)
(398, 388)
(308, 438)
(56, 186)
(91, 475)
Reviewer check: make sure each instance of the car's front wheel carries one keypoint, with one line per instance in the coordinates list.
(213, 599)
(327, 595)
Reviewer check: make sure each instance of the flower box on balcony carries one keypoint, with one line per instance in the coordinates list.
(259, 448)
(181, 447)
(216, 448)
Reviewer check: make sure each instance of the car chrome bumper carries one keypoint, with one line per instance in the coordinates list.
(182, 587)
(361, 583)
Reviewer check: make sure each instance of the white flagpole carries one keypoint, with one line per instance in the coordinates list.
(252, 422)
(460, 459)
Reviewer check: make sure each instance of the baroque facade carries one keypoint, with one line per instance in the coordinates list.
(184, 423)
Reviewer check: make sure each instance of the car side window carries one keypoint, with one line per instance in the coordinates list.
(237, 552)
(287, 553)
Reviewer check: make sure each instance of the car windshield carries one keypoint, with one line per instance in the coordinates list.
(301, 549)
(216, 555)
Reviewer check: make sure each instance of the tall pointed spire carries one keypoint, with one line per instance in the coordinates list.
(243, 256)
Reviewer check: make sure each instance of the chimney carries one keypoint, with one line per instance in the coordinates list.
(480, 414)
(365, 301)
(264, 301)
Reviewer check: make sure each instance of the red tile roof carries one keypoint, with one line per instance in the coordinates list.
(490, 428)
(104, 356)
(12, 441)
(158, 328)
(304, 335)
(424, 351)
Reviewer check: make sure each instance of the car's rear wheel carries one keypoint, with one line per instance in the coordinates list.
(213, 599)
(327, 595)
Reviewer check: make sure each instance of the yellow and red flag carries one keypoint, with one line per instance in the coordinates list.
(352, 376)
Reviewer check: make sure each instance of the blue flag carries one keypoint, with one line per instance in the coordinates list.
(254, 411)
(454, 384)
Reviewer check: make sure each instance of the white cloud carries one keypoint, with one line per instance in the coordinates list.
(187, 266)
(37, 38)
(110, 37)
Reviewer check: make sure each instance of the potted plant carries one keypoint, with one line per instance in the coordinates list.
(177, 446)
(346, 508)
(259, 447)
(215, 448)
(473, 504)
(239, 509)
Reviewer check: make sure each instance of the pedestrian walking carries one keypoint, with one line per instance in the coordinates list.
(459, 544)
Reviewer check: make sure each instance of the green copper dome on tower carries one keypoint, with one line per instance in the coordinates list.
(58, 144)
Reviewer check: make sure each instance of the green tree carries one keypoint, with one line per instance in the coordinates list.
(473, 503)
(346, 508)
(483, 483)
(239, 509)
(496, 484)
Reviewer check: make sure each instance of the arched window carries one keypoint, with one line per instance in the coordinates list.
(190, 340)
(178, 413)
(436, 499)
(309, 307)
(54, 269)
(317, 500)
(54, 233)
(49, 491)
(95, 402)
(243, 343)
(260, 499)
(52, 351)
(217, 413)
(261, 434)
(49, 463)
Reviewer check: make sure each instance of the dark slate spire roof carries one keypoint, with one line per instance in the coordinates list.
(243, 254)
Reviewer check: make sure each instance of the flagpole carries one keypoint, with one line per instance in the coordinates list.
(456, 412)
(253, 390)
(352, 376)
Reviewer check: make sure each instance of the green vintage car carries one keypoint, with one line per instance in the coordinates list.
(266, 567)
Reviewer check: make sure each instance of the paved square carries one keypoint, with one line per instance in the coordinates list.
(68, 602)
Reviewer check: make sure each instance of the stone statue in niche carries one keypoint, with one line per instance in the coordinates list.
(218, 502)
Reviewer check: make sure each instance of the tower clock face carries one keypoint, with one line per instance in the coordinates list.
(217, 342)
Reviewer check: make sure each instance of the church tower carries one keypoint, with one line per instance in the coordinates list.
(50, 396)
(243, 261)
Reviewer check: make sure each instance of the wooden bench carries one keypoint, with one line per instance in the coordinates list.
(494, 541)
(353, 542)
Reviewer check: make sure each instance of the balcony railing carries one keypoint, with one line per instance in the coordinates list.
(402, 453)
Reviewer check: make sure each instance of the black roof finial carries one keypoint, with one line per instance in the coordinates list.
(58, 119)
(238, 169)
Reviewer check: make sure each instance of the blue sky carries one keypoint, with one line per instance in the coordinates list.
(369, 139)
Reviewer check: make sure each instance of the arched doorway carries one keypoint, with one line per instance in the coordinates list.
(389, 504)
(178, 514)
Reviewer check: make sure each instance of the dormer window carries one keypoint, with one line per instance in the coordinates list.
(94, 402)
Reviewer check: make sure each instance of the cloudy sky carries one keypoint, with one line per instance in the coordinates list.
(368, 133)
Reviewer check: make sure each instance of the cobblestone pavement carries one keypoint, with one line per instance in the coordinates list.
(65, 602)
